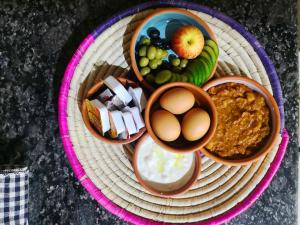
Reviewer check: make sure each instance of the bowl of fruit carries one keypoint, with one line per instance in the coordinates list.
(173, 45)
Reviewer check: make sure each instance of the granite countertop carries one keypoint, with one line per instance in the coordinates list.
(37, 40)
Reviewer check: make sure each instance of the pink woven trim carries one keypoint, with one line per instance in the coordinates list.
(241, 207)
(108, 204)
(62, 106)
(112, 207)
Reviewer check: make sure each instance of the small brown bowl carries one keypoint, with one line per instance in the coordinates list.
(202, 99)
(165, 190)
(90, 94)
(275, 124)
(188, 18)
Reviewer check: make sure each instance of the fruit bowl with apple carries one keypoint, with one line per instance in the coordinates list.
(173, 45)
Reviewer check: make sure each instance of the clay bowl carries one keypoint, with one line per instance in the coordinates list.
(167, 190)
(275, 120)
(181, 145)
(94, 90)
(166, 21)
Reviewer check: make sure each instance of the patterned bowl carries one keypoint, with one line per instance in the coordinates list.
(92, 91)
(167, 21)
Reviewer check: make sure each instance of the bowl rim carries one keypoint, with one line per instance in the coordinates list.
(181, 190)
(88, 125)
(147, 19)
(273, 137)
(213, 116)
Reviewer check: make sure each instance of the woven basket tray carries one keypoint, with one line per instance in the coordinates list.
(221, 192)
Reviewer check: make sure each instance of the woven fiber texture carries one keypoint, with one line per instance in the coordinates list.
(219, 190)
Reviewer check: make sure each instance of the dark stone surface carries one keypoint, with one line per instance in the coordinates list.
(37, 38)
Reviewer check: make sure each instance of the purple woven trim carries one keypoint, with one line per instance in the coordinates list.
(79, 171)
(275, 83)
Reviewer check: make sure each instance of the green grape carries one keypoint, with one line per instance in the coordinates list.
(153, 64)
(175, 61)
(151, 52)
(143, 51)
(165, 53)
(145, 41)
(183, 63)
(143, 62)
(159, 62)
(145, 71)
(159, 53)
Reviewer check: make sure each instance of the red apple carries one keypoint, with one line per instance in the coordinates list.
(188, 42)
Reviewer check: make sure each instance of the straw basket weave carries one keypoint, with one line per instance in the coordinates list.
(221, 192)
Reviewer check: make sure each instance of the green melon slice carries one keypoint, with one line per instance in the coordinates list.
(211, 53)
(206, 56)
(204, 70)
(213, 45)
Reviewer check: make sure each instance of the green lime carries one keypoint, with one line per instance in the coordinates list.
(163, 76)
(183, 63)
(145, 41)
(143, 51)
(151, 52)
(143, 62)
(175, 61)
(145, 71)
(153, 64)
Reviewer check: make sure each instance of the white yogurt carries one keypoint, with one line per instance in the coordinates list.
(158, 165)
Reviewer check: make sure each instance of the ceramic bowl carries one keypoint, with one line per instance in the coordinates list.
(202, 99)
(167, 21)
(94, 90)
(275, 120)
(167, 190)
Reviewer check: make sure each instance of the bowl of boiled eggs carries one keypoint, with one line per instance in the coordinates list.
(181, 117)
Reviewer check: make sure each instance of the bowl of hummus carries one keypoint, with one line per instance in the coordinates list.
(248, 121)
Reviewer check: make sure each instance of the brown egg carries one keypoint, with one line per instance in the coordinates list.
(165, 125)
(177, 100)
(195, 124)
